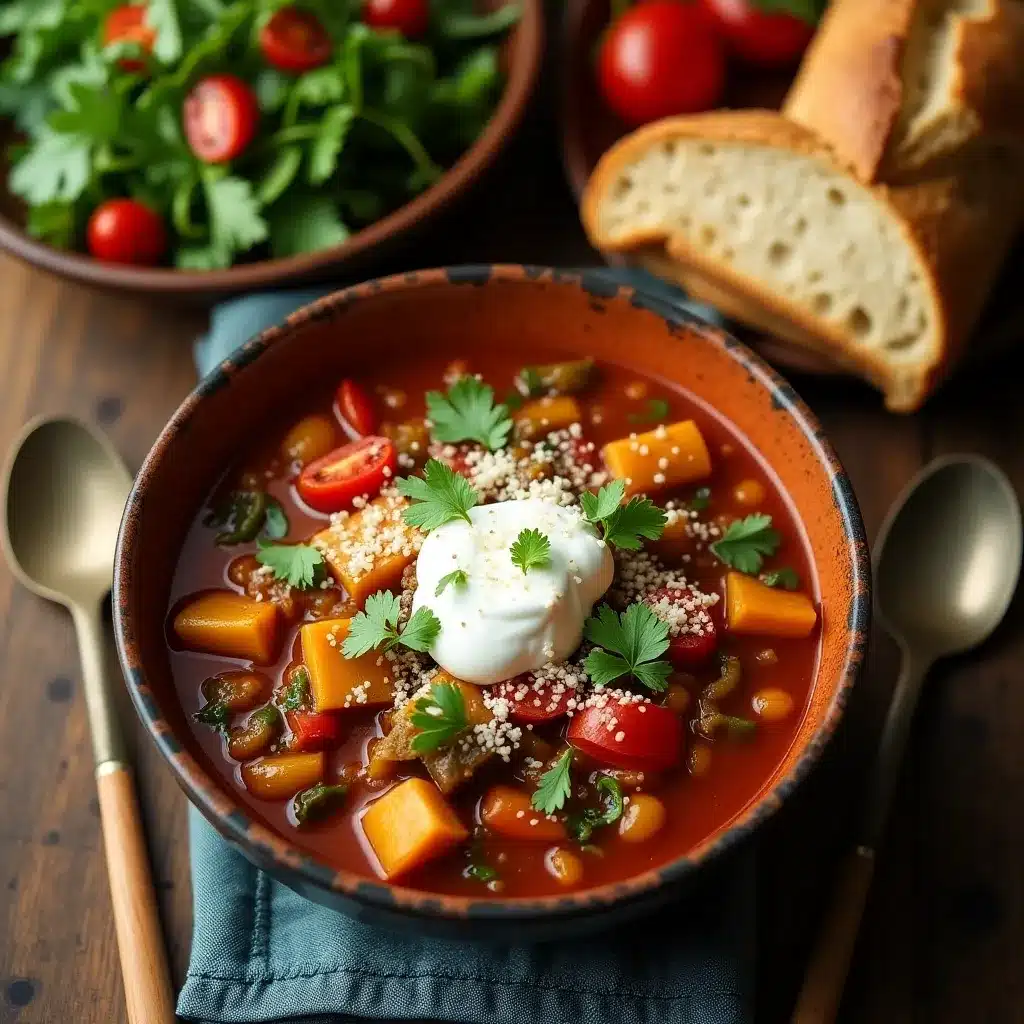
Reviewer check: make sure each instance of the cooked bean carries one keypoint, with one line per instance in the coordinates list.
(749, 493)
(256, 736)
(411, 438)
(564, 866)
(767, 657)
(677, 698)
(772, 704)
(643, 817)
(309, 439)
(239, 690)
(698, 761)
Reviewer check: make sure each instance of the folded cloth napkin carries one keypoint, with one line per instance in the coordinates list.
(260, 952)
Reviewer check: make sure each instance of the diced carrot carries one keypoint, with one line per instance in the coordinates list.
(507, 811)
(368, 550)
(665, 457)
(410, 825)
(223, 622)
(282, 775)
(337, 681)
(543, 415)
(751, 607)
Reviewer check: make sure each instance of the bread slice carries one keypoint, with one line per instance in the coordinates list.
(893, 85)
(754, 214)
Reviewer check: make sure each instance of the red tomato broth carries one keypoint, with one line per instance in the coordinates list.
(697, 807)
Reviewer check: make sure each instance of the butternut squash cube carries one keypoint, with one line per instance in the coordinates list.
(543, 415)
(223, 622)
(751, 607)
(665, 457)
(339, 682)
(410, 825)
(368, 550)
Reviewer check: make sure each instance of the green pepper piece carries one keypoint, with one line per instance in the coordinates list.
(296, 693)
(712, 721)
(566, 378)
(248, 512)
(581, 826)
(730, 674)
(215, 714)
(255, 737)
(481, 872)
(318, 802)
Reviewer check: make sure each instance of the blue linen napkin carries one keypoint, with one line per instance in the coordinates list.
(262, 953)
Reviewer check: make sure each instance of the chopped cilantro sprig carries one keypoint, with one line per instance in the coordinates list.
(438, 497)
(299, 565)
(555, 785)
(746, 542)
(630, 644)
(439, 718)
(531, 550)
(377, 627)
(623, 526)
(468, 413)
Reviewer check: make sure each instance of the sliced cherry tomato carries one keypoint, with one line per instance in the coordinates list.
(127, 24)
(126, 231)
(221, 113)
(692, 649)
(410, 17)
(662, 57)
(329, 484)
(543, 705)
(314, 730)
(637, 737)
(771, 39)
(356, 408)
(294, 40)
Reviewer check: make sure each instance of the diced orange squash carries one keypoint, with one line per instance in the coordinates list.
(543, 415)
(281, 776)
(368, 550)
(223, 622)
(667, 456)
(410, 825)
(752, 607)
(340, 682)
(507, 811)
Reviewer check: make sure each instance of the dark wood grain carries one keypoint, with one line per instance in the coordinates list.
(945, 923)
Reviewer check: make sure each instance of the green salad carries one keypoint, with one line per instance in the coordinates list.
(202, 132)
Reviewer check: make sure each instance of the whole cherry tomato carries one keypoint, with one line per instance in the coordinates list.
(637, 737)
(126, 231)
(329, 484)
(355, 408)
(127, 24)
(294, 40)
(220, 115)
(662, 57)
(410, 17)
(771, 39)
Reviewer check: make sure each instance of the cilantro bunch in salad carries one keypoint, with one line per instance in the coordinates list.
(198, 133)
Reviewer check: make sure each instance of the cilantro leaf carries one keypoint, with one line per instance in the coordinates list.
(787, 578)
(323, 154)
(555, 785)
(458, 578)
(623, 525)
(440, 717)
(468, 413)
(745, 543)
(632, 644)
(54, 223)
(377, 626)
(531, 550)
(235, 220)
(656, 410)
(55, 167)
(215, 714)
(439, 496)
(162, 17)
(304, 223)
(299, 565)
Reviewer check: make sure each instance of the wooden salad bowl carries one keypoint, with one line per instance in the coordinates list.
(523, 52)
(448, 311)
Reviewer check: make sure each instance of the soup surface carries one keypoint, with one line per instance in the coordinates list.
(569, 647)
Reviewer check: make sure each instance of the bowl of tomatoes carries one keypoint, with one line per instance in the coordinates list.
(214, 149)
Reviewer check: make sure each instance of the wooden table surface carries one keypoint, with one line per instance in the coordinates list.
(944, 931)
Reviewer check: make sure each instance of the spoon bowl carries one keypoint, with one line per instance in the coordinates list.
(66, 489)
(948, 557)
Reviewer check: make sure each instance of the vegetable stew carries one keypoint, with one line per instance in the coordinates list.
(510, 625)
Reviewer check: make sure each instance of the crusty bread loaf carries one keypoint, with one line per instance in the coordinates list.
(893, 85)
(758, 217)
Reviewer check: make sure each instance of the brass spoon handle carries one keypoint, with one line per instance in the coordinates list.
(147, 985)
(822, 991)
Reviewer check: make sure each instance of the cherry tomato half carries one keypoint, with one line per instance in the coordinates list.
(543, 705)
(220, 118)
(314, 730)
(126, 231)
(127, 24)
(761, 37)
(688, 650)
(356, 408)
(662, 57)
(329, 484)
(294, 40)
(642, 737)
(410, 17)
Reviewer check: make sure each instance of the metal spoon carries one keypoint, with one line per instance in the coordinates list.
(947, 560)
(65, 488)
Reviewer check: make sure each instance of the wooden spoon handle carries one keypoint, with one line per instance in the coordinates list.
(823, 985)
(147, 985)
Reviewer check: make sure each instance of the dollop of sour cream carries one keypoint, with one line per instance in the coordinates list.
(502, 621)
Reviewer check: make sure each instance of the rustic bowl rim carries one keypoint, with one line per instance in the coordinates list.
(272, 850)
(523, 72)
